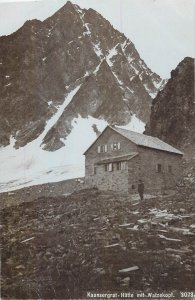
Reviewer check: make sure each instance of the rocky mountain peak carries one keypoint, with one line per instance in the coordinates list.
(67, 8)
(183, 67)
(43, 62)
(69, 4)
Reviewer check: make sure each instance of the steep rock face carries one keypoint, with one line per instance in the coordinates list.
(44, 61)
(173, 112)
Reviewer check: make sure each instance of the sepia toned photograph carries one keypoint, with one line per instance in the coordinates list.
(97, 149)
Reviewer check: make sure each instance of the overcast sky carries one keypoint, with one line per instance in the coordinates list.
(162, 30)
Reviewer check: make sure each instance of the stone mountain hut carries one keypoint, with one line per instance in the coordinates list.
(119, 158)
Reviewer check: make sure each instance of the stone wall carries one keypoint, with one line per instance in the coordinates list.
(105, 180)
(117, 180)
(133, 174)
(142, 166)
(153, 180)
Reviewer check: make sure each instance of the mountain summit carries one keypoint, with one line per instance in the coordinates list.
(76, 53)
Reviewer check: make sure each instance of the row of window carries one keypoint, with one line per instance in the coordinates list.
(160, 170)
(110, 167)
(104, 148)
(115, 166)
(122, 166)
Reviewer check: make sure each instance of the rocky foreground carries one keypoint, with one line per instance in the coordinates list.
(62, 247)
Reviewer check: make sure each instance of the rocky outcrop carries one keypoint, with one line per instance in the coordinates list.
(173, 112)
(43, 61)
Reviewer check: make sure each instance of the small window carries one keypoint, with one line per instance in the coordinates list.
(133, 186)
(95, 170)
(170, 169)
(118, 165)
(116, 146)
(158, 168)
(109, 167)
(102, 148)
(121, 165)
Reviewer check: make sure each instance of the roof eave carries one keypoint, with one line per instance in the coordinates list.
(117, 159)
(177, 153)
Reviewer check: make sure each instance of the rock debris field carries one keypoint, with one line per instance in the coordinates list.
(61, 247)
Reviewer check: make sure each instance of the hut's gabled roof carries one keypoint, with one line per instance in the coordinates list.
(142, 140)
(146, 140)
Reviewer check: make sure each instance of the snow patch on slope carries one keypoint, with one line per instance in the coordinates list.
(58, 114)
(31, 165)
(97, 50)
(119, 81)
(112, 52)
(135, 125)
(152, 94)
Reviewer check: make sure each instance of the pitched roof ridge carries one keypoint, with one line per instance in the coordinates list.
(118, 127)
(146, 140)
(142, 140)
